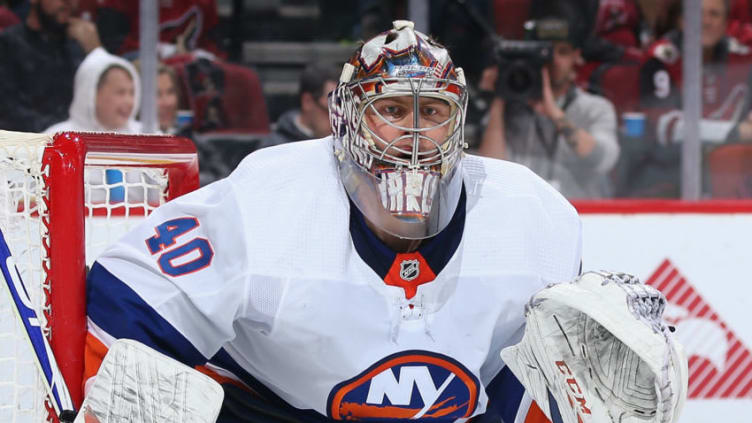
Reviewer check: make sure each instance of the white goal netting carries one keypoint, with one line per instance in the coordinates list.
(21, 214)
(118, 193)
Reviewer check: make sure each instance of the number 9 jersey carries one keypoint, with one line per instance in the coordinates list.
(271, 282)
(724, 85)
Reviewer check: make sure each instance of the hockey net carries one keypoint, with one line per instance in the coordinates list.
(63, 199)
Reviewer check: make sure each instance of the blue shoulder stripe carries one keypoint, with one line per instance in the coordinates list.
(122, 313)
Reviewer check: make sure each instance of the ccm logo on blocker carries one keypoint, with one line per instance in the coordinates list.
(409, 384)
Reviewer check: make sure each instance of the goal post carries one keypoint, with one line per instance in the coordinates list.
(63, 199)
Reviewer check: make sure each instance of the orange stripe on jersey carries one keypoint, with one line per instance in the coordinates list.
(223, 379)
(536, 415)
(408, 271)
(94, 352)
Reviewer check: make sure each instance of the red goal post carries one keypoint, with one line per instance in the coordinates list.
(62, 200)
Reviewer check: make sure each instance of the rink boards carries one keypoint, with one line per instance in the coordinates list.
(700, 256)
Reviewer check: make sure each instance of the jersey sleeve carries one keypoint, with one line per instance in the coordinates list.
(176, 282)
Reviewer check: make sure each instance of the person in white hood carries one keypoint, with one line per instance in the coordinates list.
(106, 95)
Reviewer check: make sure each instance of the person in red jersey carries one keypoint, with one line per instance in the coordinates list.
(184, 26)
(726, 65)
(654, 170)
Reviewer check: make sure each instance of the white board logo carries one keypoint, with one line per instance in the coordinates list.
(718, 361)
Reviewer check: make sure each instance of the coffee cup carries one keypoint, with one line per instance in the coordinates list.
(184, 119)
(634, 124)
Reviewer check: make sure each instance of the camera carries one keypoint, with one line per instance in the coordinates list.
(520, 64)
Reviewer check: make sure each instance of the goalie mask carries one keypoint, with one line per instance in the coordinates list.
(397, 119)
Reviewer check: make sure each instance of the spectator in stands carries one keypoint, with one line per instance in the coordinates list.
(168, 99)
(725, 72)
(726, 66)
(311, 119)
(223, 96)
(105, 98)
(620, 22)
(740, 21)
(567, 137)
(620, 32)
(7, 17)
(106, 95)
(39, 59)
(185, 26)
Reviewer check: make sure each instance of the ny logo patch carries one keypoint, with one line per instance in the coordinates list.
(413, 384)
(409, 269)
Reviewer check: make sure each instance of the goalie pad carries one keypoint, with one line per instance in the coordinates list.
(138, 384)
(599, 346)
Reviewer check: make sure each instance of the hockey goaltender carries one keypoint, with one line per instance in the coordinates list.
(380, 273)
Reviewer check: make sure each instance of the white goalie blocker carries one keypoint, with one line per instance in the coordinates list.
(599, 347)
(138, 384)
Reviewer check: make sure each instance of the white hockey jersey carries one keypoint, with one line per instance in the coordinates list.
(270, 281)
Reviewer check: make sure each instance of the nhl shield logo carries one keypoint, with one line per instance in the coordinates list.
(409, 269)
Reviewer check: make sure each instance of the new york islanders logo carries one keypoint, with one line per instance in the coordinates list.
(720, 366)
(407, 385)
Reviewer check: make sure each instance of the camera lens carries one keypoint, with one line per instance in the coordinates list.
(520, 64)
(519, 80)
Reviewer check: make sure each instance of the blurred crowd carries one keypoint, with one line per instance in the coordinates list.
(587, 93)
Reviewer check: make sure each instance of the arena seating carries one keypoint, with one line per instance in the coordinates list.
(730, 171)
(618, 82)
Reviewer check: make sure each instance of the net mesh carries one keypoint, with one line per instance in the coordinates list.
(117, 197)
(22, 192)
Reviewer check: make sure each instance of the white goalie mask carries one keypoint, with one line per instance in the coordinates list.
(397, 118)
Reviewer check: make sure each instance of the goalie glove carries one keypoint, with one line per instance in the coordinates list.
(599, 346)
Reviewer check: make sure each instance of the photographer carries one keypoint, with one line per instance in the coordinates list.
(539, 118)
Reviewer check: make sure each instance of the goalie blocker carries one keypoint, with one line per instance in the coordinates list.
(599, 347)
(138, 384)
